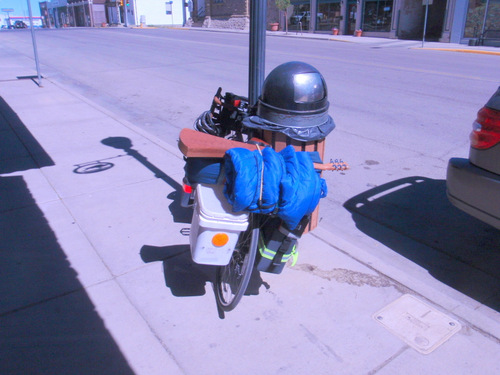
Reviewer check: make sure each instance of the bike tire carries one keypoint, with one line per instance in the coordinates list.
(231, 281)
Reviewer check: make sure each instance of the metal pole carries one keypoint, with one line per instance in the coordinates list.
(256, 66)
(8, 19)
(91, 12)
(425, 22)
(125, 15)
(84, 15)
(184, 15)
(118, 12)
(34, 45)
(485, 17)
(74, 16)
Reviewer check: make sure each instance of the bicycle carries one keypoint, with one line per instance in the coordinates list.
(217, 131)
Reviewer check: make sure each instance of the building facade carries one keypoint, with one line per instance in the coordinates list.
(456, 21)
(96, 13)
(8, 21)
(380, 18)
(162, 13)
(384, 18)
(73, 13)
(229, 14)
(474, 17)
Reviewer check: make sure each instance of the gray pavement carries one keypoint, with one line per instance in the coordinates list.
(96, 277)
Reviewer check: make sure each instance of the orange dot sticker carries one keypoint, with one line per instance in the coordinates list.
(220, 239)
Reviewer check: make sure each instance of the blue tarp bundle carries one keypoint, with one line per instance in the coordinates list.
(284, 183)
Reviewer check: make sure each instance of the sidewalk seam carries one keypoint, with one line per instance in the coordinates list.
(155, 140)
(389, 360)
(114, 278)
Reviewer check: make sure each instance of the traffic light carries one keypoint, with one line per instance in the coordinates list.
(121, 3)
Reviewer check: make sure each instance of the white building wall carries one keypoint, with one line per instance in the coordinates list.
(37, 21)
(155, 12)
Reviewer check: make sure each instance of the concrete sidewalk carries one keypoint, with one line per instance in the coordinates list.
(96, 277)
(368, 41)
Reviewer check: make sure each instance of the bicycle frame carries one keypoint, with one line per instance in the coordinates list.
(203, 155)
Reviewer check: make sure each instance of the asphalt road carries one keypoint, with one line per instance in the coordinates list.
(401, 114)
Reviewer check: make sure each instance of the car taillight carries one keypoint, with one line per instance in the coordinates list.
(486, 129)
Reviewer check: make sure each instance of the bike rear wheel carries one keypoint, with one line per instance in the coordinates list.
(231, 281)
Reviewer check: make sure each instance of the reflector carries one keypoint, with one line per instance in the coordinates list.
(220, 239)
(187, 189)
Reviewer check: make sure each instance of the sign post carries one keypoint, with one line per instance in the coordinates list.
(425, 3)
(35, 50)
(125, 12)
(485, 18)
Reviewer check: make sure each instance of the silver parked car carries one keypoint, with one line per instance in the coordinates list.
(473, 185)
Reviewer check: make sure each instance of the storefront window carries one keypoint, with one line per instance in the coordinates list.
(328, 14)
(377, 15)
(475, 17)
(301, 15)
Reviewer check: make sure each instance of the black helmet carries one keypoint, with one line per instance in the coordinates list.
(294, 101)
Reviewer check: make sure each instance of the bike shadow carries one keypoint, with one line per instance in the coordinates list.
(184, 277)
(413, 217)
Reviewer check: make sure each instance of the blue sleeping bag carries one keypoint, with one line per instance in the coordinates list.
(284, 183)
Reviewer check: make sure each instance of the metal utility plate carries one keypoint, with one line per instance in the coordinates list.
(416, 323)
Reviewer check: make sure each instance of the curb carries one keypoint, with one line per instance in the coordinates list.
(461, 50)
(445, 298)
(329, 38)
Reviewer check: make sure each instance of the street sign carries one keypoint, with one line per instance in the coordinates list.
(7, 10)
(427, 2)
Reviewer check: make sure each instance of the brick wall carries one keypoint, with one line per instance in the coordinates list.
(234, 14)
(228, 8)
